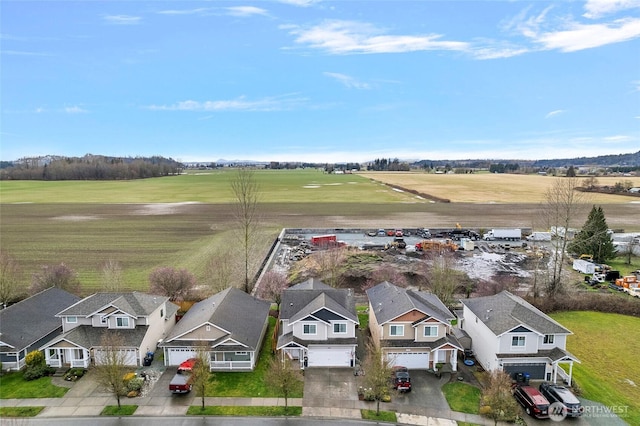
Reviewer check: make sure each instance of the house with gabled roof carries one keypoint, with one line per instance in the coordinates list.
(510, 334)
(317, 325)
(412, 328)
(26, 325)
(139, 321)
(229, 326)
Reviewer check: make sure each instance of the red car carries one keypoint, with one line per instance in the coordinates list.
(400, 379)
(534, 403)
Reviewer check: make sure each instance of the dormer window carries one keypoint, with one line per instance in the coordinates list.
(72, 320)
(122, 322)
(431, 331)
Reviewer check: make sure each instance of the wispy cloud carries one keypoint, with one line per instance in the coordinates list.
(617, 138)
(599, 8)
(277, 103)
(301, 3)
(243, 11)
(24, 53)
(348, 81)
(75, 110)
(554, 113)
(122, 19)
(339, 37)
(197, 11)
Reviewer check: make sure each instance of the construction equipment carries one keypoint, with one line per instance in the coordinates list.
(435, 245)
(627, 282)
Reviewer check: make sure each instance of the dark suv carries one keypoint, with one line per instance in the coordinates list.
(400, 379)
(534, 403)
(557, 393)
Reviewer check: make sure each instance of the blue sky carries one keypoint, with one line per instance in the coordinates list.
(320, 81)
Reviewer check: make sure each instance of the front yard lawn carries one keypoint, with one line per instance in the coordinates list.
(384, 416)
(462, 397)
(249, 384)
(20, 411)
(124, 410)
(242, 411)
(12, 385)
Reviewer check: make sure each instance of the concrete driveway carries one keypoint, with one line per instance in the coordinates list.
(425, 393)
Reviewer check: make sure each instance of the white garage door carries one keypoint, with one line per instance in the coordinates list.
(329, 357)
(178, 355)
(411, 360)
(129, 356)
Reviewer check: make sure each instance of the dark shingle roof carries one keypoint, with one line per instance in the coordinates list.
(312, 295)
(233, 310)
(505, 311)
(389, 301)
(133, 303)
(88, 337)
(31, 319)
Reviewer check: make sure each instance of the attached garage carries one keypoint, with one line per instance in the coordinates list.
(411, 360)
(536, 371)
(328, 356)
(129, 356)
(175, 356)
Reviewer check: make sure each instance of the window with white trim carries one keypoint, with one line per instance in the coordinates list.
(396, 330)
(242, 353)
(122, 322)
(72, 320)
(548, 339)
(339, 328)
(517, 342)
(430, 331)
(309, 329)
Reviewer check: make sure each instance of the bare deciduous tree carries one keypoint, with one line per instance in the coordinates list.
(328, 264)
(444, 279)
(378, 374)
(284, 378)
(111, 365)
(385, 273)
(9, 278)
(247, 193)
(497, 397)
(272, 285)
(59, 276)
(221, 270)
(562, 205)
(201, 373)
(173, 283)
(111, 276)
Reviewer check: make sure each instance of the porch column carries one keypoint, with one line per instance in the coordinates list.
(454, 360)
(570, 371)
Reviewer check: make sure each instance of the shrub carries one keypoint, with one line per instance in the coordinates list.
(36, 371)
(135, 384)
(34, 358)
(74, 374)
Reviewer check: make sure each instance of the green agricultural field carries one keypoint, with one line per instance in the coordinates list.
(607, 346)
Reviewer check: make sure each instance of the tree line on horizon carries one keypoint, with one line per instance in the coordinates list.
(90, 167)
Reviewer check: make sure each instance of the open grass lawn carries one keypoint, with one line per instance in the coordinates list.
(12, 385)
(249, 384)
(607, 346)
(242, 411)
(20, 411)
(383, 416)
(123, 410)
(462, 397)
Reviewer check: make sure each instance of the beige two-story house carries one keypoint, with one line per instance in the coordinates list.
(412, 328)
(136, 321)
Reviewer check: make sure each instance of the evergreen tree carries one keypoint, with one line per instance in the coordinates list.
(571, 172)
(594, 238)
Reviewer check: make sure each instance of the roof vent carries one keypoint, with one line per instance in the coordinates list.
(486, 317)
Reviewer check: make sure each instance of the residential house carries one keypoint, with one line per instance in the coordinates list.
(318, 325)
(26, 325)
(138, 321)
(229, 326)
(412, 328)
(509, 333)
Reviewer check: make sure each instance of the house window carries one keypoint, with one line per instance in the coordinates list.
(517, 342)
(309, 329)
(548, 339)
(339, 328)
(103, 319)
(122, 322)
(72, 320)
(242, 353)
(396, 330)
(431, 331)
(161, 313)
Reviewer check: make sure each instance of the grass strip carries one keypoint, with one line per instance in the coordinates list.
(20, 411)
(462, 397)
(383, 416)
(240, 411)
(123, 410)
(13, 385)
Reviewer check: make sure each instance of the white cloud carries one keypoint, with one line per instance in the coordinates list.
(245, 11)
(301, 3)
(554, 113)
(617, 138)
(122, 19)
(599, 8)
(348, 81)
(578, 36)
(197, 11)
(24, 53)
(74, 110)
(350, 37)
(239, 104)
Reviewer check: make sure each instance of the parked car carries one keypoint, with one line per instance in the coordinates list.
(557, 393)
(400, 379)
(533, 402)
